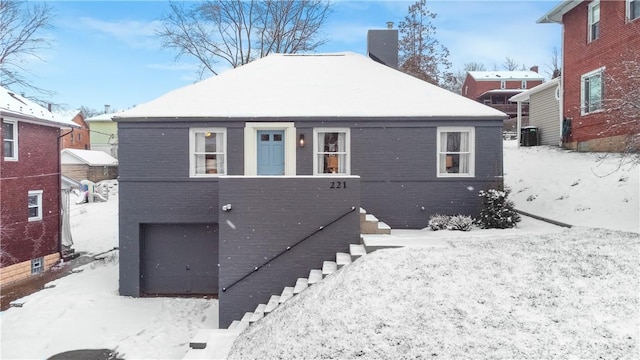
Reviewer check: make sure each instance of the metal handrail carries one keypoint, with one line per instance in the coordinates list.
(289, 248)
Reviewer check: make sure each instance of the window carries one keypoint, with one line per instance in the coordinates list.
(524, 84)
(207, 152)
(456, 147)
(503, 84)
(35, 205)
(10, 140)
(633, 9)
(594, 20)
(331, 151)
(592, 91)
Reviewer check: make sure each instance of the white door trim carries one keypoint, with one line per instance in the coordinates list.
(251, 148)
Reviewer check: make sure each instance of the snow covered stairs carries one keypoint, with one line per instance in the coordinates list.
(216, 343)
(369, 224)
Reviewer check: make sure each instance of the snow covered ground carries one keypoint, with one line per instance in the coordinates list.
(574, 290)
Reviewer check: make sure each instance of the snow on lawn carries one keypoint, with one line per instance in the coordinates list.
(566, 295)
(573, 187)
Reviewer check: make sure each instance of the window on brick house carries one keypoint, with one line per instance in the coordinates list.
(35, 205)
(456, 151)
(633, 9)
(594, 20)
(331, 151)
(208, 152)
(10, 140)
(592, 91)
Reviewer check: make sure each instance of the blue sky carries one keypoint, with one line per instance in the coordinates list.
(106, 52)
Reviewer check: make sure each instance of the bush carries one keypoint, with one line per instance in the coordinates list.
(497, 210)
(438, 222)
(460, 222)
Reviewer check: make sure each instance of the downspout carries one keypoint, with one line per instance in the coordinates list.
(60, 191)
(561, 89)
(519, 121)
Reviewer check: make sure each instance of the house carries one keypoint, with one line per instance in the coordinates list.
(600, 73)
(30, 188)
(90, 165)
(544, 112)
(219, 177)
(104, 133)
(80, 137)
(494, 88)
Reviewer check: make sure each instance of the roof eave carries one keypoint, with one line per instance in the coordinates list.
(555, 15)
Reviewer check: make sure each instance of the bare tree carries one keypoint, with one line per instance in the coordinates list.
(510, 64)
(236, 32)
(554, 66)
(421, 54)
(20, 26)
(455, 85)
(622, 104)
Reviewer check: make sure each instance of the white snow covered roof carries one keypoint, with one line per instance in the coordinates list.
(525, 95)
(101, 117)
(17, 106)
(505, 75)
(314, 85)
(89, 157)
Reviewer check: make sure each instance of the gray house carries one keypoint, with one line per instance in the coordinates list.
(220, 177)
(544, 111)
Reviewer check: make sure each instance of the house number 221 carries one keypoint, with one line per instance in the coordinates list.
(338, 185)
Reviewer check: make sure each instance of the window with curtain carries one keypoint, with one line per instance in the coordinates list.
(456, 148)
(207, 152)
(331, 151)
(592, 91)
(35, 205)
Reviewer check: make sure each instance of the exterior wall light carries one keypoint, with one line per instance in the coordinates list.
(301, 140)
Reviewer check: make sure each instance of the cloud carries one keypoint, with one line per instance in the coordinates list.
(137, 34)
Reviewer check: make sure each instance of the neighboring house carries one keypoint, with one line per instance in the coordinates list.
(219, 176)
(494, 88)
(544, 111)
(104, 133)
(80, 137)
(600, 73)
(30, 189)
(90, 165)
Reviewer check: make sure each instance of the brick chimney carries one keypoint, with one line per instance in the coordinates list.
(382, 45)
(534, 68)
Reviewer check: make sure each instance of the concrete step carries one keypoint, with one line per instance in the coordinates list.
(383, 228)
(238, 326)
(328, 268)
(218, 345)
(342, 259)
(287, 294)
(357, 250)
(301, 285)
(260, 309)
(370, 218)
(273, 303)
(251, 317)
(315, 275)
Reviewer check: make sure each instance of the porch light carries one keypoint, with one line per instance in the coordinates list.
(301, 140)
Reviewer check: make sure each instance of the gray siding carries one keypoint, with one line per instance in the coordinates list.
(270, 214)
(544, 110)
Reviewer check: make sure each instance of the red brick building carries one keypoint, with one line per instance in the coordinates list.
(29, 187)
(80, 138)
(601, 73)
(494, 88)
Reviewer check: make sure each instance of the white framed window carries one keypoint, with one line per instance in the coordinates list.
(331, 151)
(592, 91)
(10, 140)
(503, 84)
(633, 9)
(456, 151)
(524, 84)
(37, 265)
(35, 205)
(207, 152)
(594, 20)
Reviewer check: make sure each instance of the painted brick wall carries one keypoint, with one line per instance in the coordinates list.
(270, 214)
(619, 41)
(36, 169)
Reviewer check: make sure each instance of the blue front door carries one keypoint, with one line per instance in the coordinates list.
(270, 152)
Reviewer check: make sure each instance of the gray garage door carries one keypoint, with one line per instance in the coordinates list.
(179, 259)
